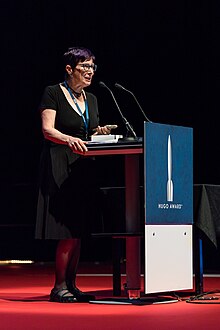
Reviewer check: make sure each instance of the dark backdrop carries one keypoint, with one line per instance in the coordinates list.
(166, 52)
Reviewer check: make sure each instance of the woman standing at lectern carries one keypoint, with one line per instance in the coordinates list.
(69, 115)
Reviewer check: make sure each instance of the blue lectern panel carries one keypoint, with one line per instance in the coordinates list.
(168, 169)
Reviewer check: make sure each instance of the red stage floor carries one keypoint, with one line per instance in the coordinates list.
(24, 293)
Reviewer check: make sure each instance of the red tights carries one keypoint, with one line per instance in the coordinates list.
(67, 259)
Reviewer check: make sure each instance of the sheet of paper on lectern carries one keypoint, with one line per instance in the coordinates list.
(110, 138)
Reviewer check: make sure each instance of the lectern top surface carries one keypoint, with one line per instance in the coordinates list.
(119, 145)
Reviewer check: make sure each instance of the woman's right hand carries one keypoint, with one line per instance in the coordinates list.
(77, 144)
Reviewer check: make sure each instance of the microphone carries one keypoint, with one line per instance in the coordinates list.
(121, 87)
(127, 124)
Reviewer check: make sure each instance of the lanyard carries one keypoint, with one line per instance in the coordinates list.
(85, 120)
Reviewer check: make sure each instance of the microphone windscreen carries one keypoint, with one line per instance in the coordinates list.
(119, 86)
(101, 83)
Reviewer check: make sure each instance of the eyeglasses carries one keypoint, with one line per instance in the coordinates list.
(87, 67)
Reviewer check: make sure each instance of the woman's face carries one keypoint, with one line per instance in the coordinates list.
(83, 73)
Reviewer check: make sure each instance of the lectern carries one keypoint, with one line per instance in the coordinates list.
(168, 183)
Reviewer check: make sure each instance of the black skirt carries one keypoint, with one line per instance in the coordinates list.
(68, 198)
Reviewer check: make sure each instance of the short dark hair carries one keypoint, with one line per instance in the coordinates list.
(74, 55)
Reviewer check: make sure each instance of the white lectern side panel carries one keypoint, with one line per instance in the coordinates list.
(168, 258)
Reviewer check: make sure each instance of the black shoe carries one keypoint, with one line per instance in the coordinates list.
(81, 296)
(62, 296)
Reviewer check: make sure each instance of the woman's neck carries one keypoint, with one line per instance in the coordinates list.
(76, 90)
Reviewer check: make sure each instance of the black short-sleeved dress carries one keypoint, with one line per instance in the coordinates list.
(66, 200)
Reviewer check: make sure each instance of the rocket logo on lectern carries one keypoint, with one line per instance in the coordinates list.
(169, 171)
